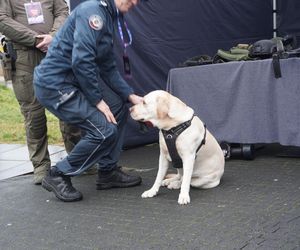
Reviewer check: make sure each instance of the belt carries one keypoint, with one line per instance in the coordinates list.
(22, 47)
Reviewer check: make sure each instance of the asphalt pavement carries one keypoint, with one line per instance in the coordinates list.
(256, 206)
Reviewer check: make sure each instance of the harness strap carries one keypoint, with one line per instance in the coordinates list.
(203, 140)
(170, 137)
(171, 145)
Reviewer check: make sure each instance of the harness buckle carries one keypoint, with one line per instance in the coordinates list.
(169, 136)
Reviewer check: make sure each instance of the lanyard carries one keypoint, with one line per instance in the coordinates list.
(125, 44)
(126, 63)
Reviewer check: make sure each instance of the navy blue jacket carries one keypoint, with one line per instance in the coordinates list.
(81, 54)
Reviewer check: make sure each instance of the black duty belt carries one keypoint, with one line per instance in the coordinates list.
(170, 137)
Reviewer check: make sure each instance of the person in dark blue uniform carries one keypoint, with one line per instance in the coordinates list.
(78, 81)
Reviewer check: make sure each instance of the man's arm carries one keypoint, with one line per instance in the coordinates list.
(111, 75)
(13, 29)
(84, 54)
(60, 13)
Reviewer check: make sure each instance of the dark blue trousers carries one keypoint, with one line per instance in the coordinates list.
(101, 141)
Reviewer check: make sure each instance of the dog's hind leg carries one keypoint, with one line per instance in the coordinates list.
(171, 178)
(175, 184)
(162, 170)
(205, 182)
(174, 180)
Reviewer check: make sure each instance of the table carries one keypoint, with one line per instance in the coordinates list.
(243, 102)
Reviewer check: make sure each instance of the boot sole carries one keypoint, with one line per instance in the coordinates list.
(50, 188)
(117, 185)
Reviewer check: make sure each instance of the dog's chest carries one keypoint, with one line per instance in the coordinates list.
(165, 150)
(180, 139)
(170, 149)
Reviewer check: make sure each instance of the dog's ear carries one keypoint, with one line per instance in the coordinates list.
(173, 109)
(162, 107)
(176, 108)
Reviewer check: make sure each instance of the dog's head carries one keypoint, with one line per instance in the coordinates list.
(162, 109)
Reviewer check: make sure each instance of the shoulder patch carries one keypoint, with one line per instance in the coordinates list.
(96, 22)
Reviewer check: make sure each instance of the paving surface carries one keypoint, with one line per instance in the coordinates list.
(14, 159)
(256, 206)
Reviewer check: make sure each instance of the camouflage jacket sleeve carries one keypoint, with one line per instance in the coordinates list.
(60, 12)
(13, 29)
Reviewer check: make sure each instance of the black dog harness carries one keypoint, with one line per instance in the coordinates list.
(170, 137)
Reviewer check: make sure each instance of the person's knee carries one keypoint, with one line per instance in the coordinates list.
(111, 133)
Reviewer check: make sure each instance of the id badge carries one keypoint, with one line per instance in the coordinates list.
(126, 65)
(34, 12)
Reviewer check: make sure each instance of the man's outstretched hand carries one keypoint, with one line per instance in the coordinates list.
(104, 108)
(135, 99)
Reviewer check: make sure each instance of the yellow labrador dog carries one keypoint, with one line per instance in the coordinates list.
(202, 168)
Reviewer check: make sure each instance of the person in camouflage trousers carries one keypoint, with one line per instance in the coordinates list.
(31, 35)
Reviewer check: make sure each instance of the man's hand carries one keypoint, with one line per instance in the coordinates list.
(43, 42)
(135, 99)
(103, 107)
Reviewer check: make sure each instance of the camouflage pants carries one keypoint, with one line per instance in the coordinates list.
(34, 113)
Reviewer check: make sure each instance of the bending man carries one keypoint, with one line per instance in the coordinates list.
(79, 82)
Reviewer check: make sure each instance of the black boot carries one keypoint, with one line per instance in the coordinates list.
(116, 178)
(61, 185)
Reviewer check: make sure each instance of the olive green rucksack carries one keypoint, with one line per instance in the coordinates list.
(237, 53)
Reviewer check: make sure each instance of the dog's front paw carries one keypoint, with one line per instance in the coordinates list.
(149, 193)
(184, 199)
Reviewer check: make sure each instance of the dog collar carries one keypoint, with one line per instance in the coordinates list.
(170, 137)
(175, 131)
